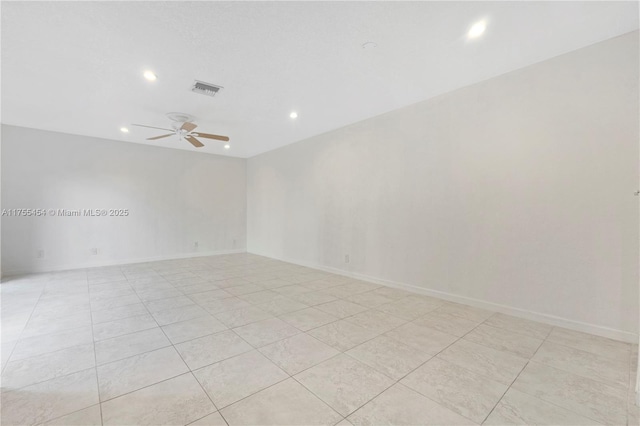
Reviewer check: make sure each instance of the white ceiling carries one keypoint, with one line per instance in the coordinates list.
(76, 67)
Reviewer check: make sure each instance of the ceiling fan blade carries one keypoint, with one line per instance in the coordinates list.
(188, 126)
(193, 141)
(151, 127)
(210, 136)
(160, 137)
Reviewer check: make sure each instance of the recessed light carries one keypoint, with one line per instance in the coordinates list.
(293, 115)
(124, 130)
(150, 76)
(369, 45)
(477, 29)
(227, 146)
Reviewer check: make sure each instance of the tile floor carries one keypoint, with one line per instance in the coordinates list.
(242, 339)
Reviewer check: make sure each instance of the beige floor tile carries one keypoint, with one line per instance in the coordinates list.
(468, 394)
(392, 293)
(286, 403)
(108, 330)
(574, 378)
(209, 296)
(183, 331)
(504, 340)
(46, 326)
(181, 313)
(607, 370)
(90, 416)
(6, 350)
(423, 339)
(231, 380)
(281, 306)
(400, 405)
(323, 283)
(223, 305)
(40, 345)
(369, 299)
(40, 368)
(314, 298)
(586, 397)
(519, 325)
(214, 419)
(291, 290)
(169, 303)
(341, 308)
(274, 283)
(464, 311)
(115, 300)
(341, 291)
(259, 297)
(129, 374)
(389, 356)
(244, 289)
(177, 401)
(130, 344)
(411, 307)
(242, 316)
(518, 408)
(344, 383)
(51, 399)
(298, 353)
(376, 321)
(265, 332)
(120, 312)
(500, 366)
(306, 319)
(200, 287)
(595, 344)
(210, 349)
(447, 323)
(342, 335)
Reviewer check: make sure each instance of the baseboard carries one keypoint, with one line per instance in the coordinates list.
(597, 330)
(68, 267)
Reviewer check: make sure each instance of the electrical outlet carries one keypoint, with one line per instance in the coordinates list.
(347, 258)
(195, 244)
(40, 254)
(94, 251)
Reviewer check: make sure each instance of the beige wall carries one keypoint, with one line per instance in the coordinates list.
(515, 193)
(175, 198)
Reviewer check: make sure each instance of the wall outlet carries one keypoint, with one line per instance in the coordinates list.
(195, 244)
(347, 258)
(94, 251)
(40, 254)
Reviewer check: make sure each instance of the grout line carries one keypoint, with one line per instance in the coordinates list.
(95, 356)
(517, 376)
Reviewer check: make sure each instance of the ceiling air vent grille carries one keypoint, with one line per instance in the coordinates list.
(205, 88)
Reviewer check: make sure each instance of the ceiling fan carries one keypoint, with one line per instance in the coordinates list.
(183, 127)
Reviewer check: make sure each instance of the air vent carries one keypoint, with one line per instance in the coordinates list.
(205, 88)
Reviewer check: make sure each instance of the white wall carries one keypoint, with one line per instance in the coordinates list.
(515, 193)
(175, 198)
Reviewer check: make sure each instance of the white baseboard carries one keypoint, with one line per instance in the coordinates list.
(597, 330)
(68, 267)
